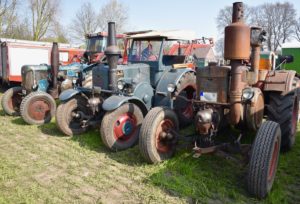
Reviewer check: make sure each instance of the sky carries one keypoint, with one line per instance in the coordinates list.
(197, 15)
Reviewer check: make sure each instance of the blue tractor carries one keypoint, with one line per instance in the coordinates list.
(34, 100)
(123, 94)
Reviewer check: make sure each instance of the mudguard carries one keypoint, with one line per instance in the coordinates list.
(114, 102)
(70, 93)
(282, 81)
(170, 77)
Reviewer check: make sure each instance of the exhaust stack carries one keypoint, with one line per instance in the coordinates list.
(112, 53)
(54, 63)
(237, 50)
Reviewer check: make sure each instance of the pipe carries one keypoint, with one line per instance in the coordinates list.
(54, 63)
(237, 12)
(112, 53)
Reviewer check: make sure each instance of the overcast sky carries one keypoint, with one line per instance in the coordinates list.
(197, 15)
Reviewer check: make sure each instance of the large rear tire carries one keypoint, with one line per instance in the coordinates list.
(156, 142)
(185, 91)
(284, 110)
(38, 108)
(11, 101)
(264, 159)
(120, 128)
(69, 116)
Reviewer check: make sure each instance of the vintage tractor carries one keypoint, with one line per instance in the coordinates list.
(123, 94)
(41, 84)
(241, 96)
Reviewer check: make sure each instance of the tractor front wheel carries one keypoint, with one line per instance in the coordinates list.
(157, 139)
(11, 101)
(264, 159)
(70, 116)
(37, 108)
(120, 128)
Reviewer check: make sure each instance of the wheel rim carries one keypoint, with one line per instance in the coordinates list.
(125, 127)
(15, 101)
(187, 107)
(39, 109)
(295, 117)
(164, 139)
(274, 159)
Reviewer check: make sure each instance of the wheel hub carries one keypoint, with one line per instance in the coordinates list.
(124, 127)
(39, 109)
(164, 139)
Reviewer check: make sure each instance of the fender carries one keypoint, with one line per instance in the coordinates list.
(115, 102)
(70, 93)
(171, 77)
(282, 81)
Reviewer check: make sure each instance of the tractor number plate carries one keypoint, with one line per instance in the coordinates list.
(209, 96)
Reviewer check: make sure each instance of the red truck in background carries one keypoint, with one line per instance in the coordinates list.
(16, 53)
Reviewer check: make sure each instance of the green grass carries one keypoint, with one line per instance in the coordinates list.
(40, 165)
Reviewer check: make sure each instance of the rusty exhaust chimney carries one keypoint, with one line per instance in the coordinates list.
(54, 63)
(237, 50)
(112, 53)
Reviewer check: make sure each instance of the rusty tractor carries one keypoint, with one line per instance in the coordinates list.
(240, 96)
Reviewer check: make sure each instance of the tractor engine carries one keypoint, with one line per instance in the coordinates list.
(227, 94)
(35, 77)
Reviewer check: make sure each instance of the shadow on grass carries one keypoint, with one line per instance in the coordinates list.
(51, 129)
(18, 121)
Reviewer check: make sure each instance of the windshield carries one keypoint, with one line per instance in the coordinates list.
(144, 50)
(148, 50)
(98, 44)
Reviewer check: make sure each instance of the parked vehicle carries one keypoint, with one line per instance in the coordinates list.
(123, 94)
(240, 95)
(16, 53)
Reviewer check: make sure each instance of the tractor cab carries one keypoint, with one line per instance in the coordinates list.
(96, 44)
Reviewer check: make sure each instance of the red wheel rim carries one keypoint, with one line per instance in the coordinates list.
(162, 144)
(125, 127)
(274, 159)
(295, 117)
(188, 111)
(39, 109)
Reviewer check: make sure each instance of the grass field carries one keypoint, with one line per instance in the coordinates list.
(40, 165)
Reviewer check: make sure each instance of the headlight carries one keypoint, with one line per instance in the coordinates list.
(120, 85)
(248, 94)
(171, 88)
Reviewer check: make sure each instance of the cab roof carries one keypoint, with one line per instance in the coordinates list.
(167, 34)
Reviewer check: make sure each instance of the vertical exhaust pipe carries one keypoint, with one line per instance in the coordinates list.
(54, 63)
(112, 53)
(237, 50)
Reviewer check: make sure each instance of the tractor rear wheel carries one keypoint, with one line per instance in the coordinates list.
(185, 90)
(120, 128)
(157, 143)
(37, 108)
(284, 110)
(11, 101)
(70, 115)
(264, 159)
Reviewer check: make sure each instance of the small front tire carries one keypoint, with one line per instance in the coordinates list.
(157, 141)
(38, 108)
(264, 159)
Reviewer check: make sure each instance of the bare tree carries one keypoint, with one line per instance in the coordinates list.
(84, 22)
(113, 11)
(7, 16)
(43, 14)
(278, 19)
(297, 30)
